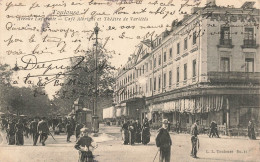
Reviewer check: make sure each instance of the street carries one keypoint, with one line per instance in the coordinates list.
(110, 149)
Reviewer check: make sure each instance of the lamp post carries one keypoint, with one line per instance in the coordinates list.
(95, 117)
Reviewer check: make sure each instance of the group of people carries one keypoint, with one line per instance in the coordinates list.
(16, 129)
(133, 132)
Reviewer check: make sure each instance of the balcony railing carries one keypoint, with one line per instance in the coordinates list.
(225, 42)
(249, 43)
(234, 77)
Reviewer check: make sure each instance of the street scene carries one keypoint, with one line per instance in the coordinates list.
(129, 80)
(110, 145)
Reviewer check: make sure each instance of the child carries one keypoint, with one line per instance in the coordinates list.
(83, 145)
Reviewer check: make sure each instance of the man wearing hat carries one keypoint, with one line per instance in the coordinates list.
(34, 131)
(164, 142)
(43, 130)
(83, 144)
(194, 138)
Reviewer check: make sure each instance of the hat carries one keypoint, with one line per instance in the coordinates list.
(84, 130)
(165, 121)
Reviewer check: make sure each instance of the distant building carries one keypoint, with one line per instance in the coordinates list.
(206, 67)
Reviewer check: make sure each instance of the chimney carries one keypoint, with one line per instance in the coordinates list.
(211, 2)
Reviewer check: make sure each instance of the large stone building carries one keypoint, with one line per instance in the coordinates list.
(206, 67)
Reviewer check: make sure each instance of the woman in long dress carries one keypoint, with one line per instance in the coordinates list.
(11, 133)
(146, 132)
(125, 133)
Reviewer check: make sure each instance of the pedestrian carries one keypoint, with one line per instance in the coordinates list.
(146, 132)
(251, 130)
(164, 142)
(194, 139)
(69, 130)
(131, 129)
(11, 133)
(125, 133)
(43, 130)
(19, 129)
(83, 145)
(77, 130)
(178, 127)
(34, 131)
(138, 137)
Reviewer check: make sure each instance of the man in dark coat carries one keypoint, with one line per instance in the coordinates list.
(19, 129)
(69, 129)
(34, 131)
(132, 128)
(164, 142)
(138, 132)
(43, 130)
(146, 132)
(125, 132)
(194, 138)
(251, 130)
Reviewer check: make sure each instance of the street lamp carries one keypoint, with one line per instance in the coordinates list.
(95, 117)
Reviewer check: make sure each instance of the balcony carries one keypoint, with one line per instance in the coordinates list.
(225, 43)
(234, 77)
(249, 43)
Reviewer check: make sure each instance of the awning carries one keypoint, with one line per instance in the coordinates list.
(118, 112)
(109, 113)
(157, 107)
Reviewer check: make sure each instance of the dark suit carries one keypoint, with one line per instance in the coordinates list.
(34, 131)
(163, 140)
(43, 130)
(194, 139)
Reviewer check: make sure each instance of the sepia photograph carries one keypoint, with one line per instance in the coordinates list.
(129, 80)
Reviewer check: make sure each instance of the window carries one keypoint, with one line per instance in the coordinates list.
(159, 61)
(159, 83)
(151, 65)
(249, 34)
(225, 32)
(249, 65)
(194, 38)
(154, 84)
(151, 84)
(185, 71)
(170, 78)
(249, 37)
(178, 48)
(154, 63)
(185, 43)
(225, 38)
(224, 64)
(143, 69)
(164, 57)
(194, 68)
(134, 75)
(160, 41)
(170, 53)
(146, 87)
(178, 75)
(146, 67)
(164, 80)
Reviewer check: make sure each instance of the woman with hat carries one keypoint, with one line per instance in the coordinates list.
(146, 132)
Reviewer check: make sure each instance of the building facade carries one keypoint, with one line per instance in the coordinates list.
(206, 67)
